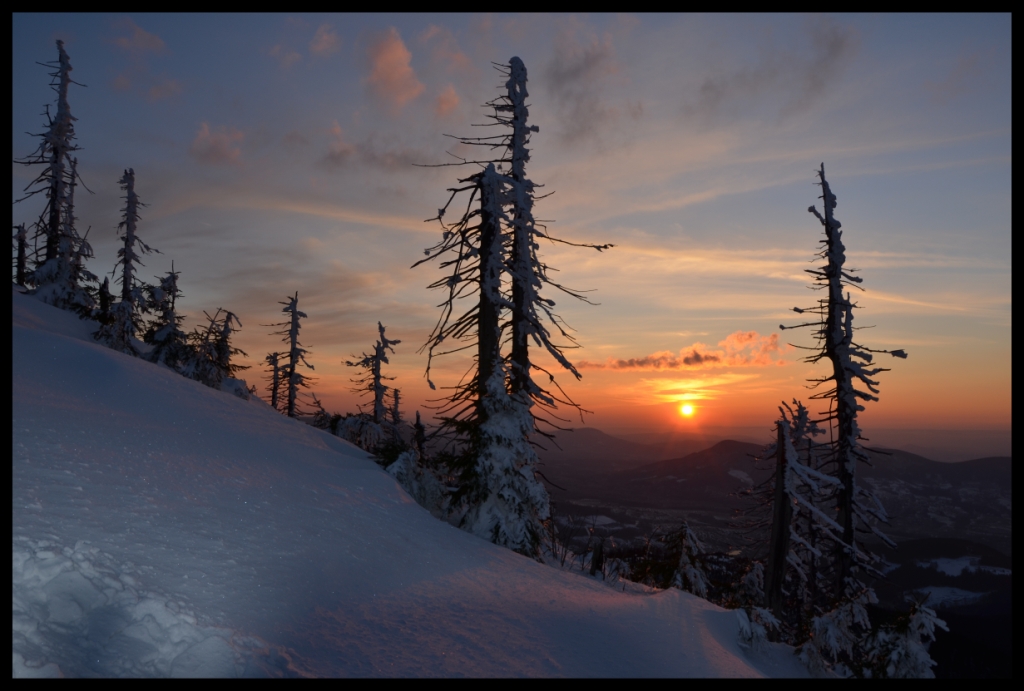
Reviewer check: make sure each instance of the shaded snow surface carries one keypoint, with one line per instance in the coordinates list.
(161, 528)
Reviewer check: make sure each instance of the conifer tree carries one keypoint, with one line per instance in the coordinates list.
(54, 276)
(373, 380)
(825, 507)
(210, 352)
(126, 316)
(492, 251)
(276, 381)
(21, 256)
(851, 364)
(293, 379)
(170, 343)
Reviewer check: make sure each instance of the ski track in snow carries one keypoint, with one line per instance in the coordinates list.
(161, 528)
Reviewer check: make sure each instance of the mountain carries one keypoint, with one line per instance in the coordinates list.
(162, 528)
(969, 500)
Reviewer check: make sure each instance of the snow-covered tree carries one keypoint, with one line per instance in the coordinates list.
(210, 352)
(372, 381)
(294, 380)
(899, 650)
(689, 574)
(492, 251)
(54, 276)
(851, 366)
(170, 343)
(126, 316)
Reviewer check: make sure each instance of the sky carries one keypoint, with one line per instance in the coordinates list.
(284, 153)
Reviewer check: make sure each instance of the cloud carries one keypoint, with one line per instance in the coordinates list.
(739, 349)
(445, 49)
(341, 153)
(792, 80)
(575, 78)
(446, 101)
(164, 89)
(139, 40)
(325, 42)
(285, 55)
(217, 148)
(392, 79)
(961, 78)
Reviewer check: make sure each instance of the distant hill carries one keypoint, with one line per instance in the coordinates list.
(924, 498)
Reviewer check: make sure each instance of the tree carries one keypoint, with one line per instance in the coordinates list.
(293, 379)
(54, 275)
(126, 315)
(21, 245)
(821, 507)
(373, 380)
(210, 350)
(170, 343)
(491, 252)
(276, 381)
(851, 363)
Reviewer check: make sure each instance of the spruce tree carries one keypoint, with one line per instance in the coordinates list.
(492, 251)
(851, 365)
(54, 276)
(170, 343)
(293, 379)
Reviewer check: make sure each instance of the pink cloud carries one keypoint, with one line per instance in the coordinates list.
(739, 349)
(325, 42)
(285, 55)
(217, 148)
(446, 102)
(392, 79)
(165, 89)
(445, 48)
(139, 41)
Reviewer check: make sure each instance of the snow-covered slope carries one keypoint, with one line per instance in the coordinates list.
(164, 528)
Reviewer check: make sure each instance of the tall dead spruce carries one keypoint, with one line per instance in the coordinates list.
(491, 252)
(820, 509)
(57, 266)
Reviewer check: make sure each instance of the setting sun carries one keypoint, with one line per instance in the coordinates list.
(686, 410)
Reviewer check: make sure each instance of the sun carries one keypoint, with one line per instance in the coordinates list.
(686, 410)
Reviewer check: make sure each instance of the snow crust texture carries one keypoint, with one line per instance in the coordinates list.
(163, 528)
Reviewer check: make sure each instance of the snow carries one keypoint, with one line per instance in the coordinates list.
(946, 596)
(163, 528)
(955, 567)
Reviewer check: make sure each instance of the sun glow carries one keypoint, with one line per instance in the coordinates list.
(686, 410)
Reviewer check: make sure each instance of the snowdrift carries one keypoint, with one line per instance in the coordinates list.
(161, 528)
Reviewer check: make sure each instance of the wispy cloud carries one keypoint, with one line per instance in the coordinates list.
(166, 88)
(392, 79)
(137, 41)
(961, 78)
(790, 80)
(138, 44)
(325, 42)
(341, 153)
(285, 55)
(445, 50)
(217, 147)
(739, 349)
(575, 77)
